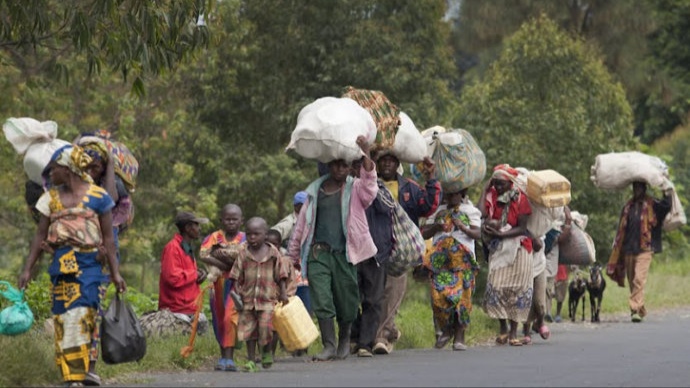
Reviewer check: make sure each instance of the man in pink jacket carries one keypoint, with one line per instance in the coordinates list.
(330, 237)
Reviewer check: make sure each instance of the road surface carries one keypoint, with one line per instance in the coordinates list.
(614, 353)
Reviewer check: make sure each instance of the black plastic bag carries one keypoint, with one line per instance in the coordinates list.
(122, 339)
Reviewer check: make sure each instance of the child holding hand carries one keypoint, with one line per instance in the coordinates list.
(261, 276)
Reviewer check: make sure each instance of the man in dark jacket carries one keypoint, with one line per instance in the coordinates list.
(417, 202)
(637, 239)
(370, 273)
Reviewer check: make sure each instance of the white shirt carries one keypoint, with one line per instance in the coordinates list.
(472, 213)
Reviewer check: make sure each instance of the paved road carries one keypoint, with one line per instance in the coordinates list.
(622, 354)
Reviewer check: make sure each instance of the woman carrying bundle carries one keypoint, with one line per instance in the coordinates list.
(509, 285)
(453, 265)
(75, 220)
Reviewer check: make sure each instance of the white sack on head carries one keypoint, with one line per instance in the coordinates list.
(38, 156)
(25, 131)
(409, 146)
(36, 141)
(327, 130)
(617, 170)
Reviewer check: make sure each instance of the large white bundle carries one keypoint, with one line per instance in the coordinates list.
(35, 140)
(38, 156)
(543, 219)
(409, 146)
(24, 131)
(617, 170)
(327, 129)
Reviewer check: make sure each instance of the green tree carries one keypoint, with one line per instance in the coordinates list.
(548, 103)
(134, 37)
(300, 50)
(620, 29)
(669, 104)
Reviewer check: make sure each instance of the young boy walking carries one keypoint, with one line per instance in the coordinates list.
(261, 277)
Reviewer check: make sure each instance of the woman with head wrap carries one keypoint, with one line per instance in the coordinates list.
(509, 284)
(75, 221)
(102, 171)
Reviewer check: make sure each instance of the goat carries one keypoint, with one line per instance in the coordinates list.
(576, 291)
(595, 287)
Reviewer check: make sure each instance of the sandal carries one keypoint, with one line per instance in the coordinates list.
(527, 339)
(230, 365)
(502, 339)
(250, 367)
(92, 379)
(266, 360)
(544, 332)
(515, 342)
(459, 346)
(442, 341)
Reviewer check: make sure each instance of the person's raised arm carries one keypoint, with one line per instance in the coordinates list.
(109, 179)
(366, 186)
(367, 163)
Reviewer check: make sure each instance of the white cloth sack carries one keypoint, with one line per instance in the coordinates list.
(25, 131)
(676, 216)
(409, 145)
(38, 156)
(327, 130)
(617, 170)
(543, 219)
(36, 141)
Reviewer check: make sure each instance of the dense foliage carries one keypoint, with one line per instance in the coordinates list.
(222, 94)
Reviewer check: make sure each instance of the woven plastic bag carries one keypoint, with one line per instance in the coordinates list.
(408, 244)
(122, 338)
(126, 165)
(617, 170)
(578, 249)
(385, 115)
(460, 163)
(18, 318)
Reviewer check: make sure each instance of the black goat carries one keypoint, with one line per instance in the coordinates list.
(595, 287)
(576, 291)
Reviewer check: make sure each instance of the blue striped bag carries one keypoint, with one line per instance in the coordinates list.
(408, 243)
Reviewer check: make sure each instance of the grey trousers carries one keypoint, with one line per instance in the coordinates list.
(393, 295)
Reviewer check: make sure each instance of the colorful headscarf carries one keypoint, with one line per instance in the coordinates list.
(505, 172)
(74, 158)
(97, 151)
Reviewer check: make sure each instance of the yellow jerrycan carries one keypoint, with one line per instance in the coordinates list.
(294, 325)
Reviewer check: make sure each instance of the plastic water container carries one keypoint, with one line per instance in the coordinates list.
(294, 325)
(548, 188)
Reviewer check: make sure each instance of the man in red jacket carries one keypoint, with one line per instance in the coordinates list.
(180, 277)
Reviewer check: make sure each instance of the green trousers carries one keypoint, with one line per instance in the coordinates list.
(332, 286)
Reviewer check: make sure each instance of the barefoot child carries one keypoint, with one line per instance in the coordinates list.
(261, 277)
(219, 251)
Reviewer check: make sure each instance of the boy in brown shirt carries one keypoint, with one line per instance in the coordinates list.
(261, 278)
